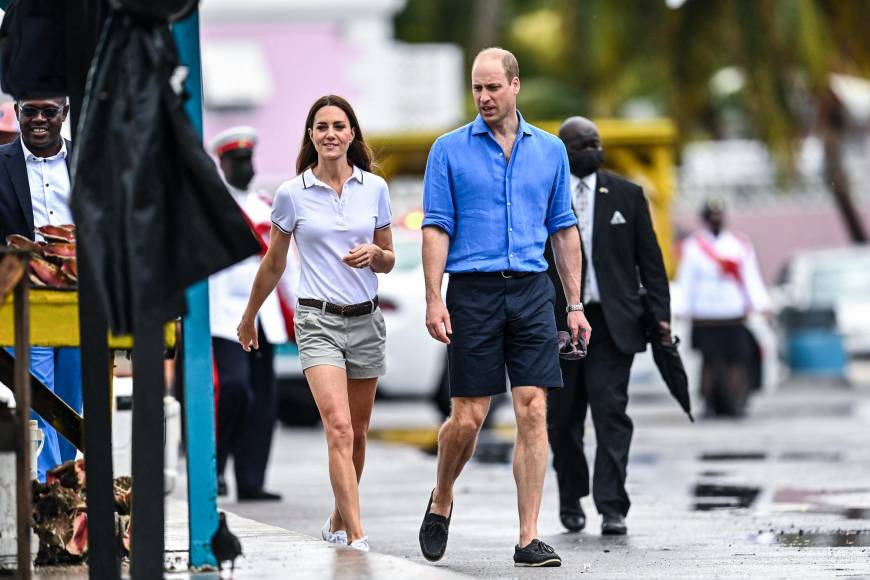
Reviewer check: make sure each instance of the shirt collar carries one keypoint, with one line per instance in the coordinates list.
(479, 126)
(29, 156)
(309, 179)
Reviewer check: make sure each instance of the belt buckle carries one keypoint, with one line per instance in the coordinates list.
(504, 276)
(343, 309)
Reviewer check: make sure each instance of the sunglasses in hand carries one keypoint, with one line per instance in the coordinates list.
(568, 350)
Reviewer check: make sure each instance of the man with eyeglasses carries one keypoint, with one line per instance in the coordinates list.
(620, 252)
(34, 192)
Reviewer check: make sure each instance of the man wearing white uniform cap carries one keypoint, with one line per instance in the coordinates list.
(244, 381)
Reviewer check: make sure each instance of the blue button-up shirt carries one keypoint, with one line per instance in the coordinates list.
(498, 215)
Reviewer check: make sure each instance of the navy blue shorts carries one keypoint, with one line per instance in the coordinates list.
(501, 323)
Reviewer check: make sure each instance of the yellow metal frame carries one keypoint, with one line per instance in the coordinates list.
(642, 151)
(54, 321)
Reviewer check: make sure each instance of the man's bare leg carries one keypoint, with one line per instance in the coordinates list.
(530, 457)
(456, 440)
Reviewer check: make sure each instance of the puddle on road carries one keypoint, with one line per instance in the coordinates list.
(733, 456)
(714, 473)
(494, 450)
(816, 539)
(785, 456)
(856, 513)
(812, 456)
(826, 501)
(714, 496)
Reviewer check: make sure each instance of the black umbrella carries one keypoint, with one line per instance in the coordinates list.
(666, 357)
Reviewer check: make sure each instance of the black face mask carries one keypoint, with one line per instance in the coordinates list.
(584, 162)
(241, 175)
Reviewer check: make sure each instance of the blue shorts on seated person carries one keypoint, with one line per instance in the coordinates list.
(501, 322)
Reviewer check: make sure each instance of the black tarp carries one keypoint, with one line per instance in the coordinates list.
(33, 50)
(150, 209)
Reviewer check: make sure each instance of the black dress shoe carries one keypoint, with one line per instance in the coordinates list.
(572, 516)
(221, 486)
(613, 525)
(258, 495)
(433, 532)
(536, 555)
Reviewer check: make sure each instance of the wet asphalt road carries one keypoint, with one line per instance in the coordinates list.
(783, 493)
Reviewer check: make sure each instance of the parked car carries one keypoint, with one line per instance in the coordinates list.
(416, 364)
(826, 291)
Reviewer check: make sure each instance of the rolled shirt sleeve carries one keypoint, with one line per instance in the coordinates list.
(438, 207)
(284, 210)
(559, 212)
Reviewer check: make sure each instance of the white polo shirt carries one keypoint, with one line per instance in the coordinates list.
(327, 226)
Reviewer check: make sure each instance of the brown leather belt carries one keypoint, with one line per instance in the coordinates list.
(360, 309)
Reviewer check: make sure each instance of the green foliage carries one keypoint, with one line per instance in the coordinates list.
(595, 56)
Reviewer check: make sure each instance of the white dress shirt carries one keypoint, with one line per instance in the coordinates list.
(584, 209)
(710, 294)
(48, 178)
(229, 289)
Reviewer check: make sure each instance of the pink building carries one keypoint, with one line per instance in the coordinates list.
(266, 61)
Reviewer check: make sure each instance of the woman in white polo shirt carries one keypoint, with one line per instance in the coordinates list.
(340, 214)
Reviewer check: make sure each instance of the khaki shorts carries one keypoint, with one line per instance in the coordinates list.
(354, 343)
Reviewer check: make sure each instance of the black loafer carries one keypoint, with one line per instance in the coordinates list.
(613, 525)
(572, 516)
(433, 532)
(536, 555)
(258, 495)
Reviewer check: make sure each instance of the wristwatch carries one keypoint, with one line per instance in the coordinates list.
(574, 307)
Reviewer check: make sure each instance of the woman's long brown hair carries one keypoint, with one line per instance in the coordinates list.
(358, 153)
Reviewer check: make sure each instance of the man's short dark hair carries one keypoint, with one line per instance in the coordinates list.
(508, 60)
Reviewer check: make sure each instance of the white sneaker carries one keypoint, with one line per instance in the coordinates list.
(361, 544)
(338, 537)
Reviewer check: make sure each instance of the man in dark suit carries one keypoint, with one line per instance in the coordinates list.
(40, 143)
(34, 191)
(620, 252)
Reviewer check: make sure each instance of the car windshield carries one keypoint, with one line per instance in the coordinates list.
(407, 255)
(841, 279)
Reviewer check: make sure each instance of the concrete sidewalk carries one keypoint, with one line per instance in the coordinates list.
(271, 553)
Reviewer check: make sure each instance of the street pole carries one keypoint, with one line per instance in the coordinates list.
(84, 20)
(198, 382)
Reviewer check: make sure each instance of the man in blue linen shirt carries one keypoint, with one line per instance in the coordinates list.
(494, 192)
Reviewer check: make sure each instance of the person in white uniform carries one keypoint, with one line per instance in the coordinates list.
(244, 381)
(721, 284)
(340, 214)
